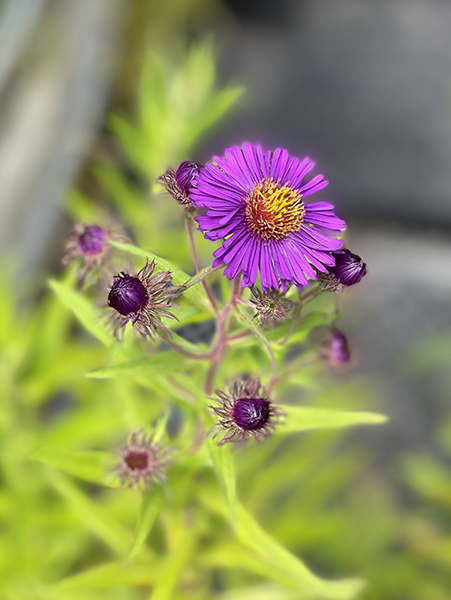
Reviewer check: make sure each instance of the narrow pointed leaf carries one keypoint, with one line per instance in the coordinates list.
(302, 418)
(151, 506)
(269, 550)
(111, 575)
(156, 364)
(222, 457)
(87, 465)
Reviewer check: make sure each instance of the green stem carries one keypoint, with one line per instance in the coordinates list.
(262, 337)
(201, 276)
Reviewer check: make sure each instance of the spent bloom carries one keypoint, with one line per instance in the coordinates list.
(244, 411)
(348, 270)
(335, 349)
(143, 461)
(143, 299)
(256, 204)
(271, 307)
(180, 183)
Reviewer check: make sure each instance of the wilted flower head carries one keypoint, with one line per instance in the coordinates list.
(271, 307)
(244, 411)
(180, 183)
(143, 299)
(142, 461)
(348, 270)
(336, 350)
(255, 204)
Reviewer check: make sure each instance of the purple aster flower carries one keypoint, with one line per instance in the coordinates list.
(255, 203)
(271, 307)
(336, 350)
(245, 411)
(180, 183)
(143, 299)
(142, 461)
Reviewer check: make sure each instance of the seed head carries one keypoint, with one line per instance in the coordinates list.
(142, 461)
(271, 307)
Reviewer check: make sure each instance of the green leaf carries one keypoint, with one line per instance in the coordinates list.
(156, 364)
(110, 575)
(88, 316)
(269, 550)
(302, 418)
(151, 506)
(222, 458)
(87, 465)
(181, 553)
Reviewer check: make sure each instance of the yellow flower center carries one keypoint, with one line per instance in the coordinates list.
(273, 211)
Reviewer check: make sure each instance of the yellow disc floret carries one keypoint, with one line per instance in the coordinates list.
(273, 211)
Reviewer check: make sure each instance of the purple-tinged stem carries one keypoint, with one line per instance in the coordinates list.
(312, 293)
(192, 244)
(219, 347)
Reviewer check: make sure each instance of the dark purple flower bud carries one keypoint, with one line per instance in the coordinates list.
(251, 413)
(179, 184)
(92, 242)
(143, 298)
(349, 268)
(336, 349)
(186, 174)
(142, 461)
(244, 411)
(127, 294)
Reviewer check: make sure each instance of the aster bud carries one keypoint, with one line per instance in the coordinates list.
(127, 294)
(143, 298)
(244, 411)
(186, 174)
(179, 183)
(336, 350)
(88, 244)
(348, 270)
